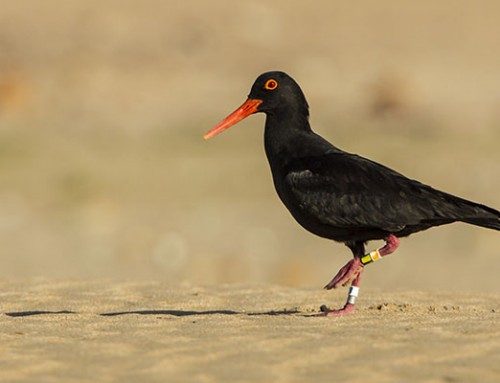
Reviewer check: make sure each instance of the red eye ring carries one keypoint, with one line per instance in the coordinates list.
(271, 84)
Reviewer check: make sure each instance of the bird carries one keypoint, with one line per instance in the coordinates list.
(342, 196)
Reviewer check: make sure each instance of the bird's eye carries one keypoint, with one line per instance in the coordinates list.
(271, 84)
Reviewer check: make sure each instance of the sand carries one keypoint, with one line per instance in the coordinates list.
(107, 331)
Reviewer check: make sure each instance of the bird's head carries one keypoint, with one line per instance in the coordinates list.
(272, 93)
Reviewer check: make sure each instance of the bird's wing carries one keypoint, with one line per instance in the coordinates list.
(346, 190)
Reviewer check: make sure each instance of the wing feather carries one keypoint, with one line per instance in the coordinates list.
(346, 190)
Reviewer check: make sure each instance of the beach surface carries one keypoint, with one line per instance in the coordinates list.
(89, 331)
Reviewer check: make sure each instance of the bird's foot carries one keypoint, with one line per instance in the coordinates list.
(351, 271)
(349, 308)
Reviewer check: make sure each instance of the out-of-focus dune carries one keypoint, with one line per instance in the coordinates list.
(104, 172)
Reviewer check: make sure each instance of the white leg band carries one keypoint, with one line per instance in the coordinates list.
(354, 291)
(353, 294)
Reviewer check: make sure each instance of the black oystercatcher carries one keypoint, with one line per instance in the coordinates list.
(342, 196)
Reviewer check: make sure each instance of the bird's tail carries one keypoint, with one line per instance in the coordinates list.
(490, 223)
(485, 216)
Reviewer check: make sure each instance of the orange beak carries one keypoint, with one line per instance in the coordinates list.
(249, 107)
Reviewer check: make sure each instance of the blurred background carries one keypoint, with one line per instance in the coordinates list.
(103, 104)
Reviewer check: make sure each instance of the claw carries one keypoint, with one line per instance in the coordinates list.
(346, 274)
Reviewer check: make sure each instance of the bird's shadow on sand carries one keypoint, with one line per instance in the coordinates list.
(177, 313)
(37, 312)
(183, 313)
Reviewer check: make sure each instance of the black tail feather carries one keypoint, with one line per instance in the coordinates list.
(490, 223)
(476, 214)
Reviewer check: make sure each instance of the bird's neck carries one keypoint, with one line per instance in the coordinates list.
(286, 135)
(289, 136)
(281, 131)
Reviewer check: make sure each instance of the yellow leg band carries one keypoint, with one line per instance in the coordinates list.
(371, 257)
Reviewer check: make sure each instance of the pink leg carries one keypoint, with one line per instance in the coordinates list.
(352, 271)
(391, 244)
(348, 308)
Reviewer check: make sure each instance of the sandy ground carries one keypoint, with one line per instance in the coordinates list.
(75, 331)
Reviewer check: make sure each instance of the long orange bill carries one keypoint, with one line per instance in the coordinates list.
(249, 107)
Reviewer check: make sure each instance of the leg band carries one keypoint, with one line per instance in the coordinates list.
(370, 257)
(353, 294)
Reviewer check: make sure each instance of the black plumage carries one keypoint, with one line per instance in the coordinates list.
(338, 195)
